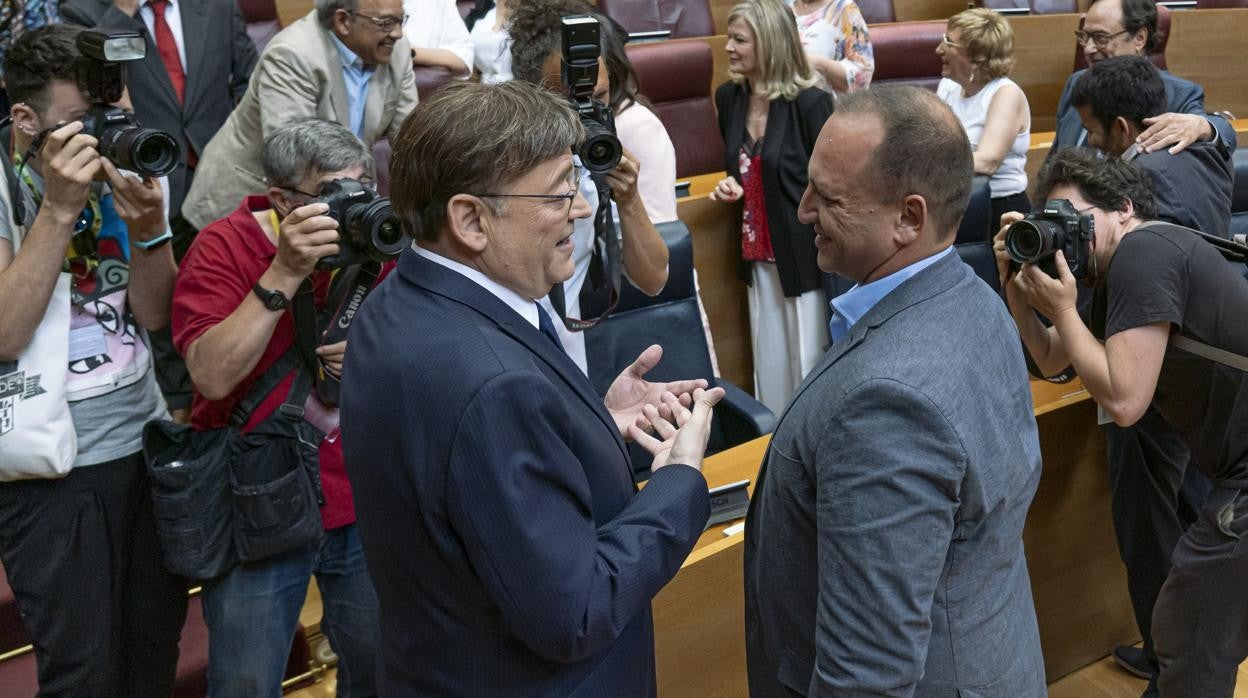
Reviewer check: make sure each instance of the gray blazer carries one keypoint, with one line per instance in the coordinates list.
(299, 75)
(883, 546)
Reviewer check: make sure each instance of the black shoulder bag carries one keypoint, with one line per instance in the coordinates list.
(223, 496)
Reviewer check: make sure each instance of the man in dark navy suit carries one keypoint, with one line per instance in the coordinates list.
(511, 551)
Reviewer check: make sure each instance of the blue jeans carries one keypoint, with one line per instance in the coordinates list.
(252, 613)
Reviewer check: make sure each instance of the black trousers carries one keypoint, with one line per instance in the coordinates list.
(171, 373)
(1155, 497)
(84, 562)
(1201, 621)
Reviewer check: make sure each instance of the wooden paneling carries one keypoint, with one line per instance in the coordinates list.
(922, 10)
(1044, 56)
(716, 257)
(1207, 47)
(290, 10)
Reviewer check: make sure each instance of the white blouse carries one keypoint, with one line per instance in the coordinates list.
(644, 136)
(491, 49)
(437, 24)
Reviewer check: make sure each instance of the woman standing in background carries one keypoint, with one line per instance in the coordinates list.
(770, 114)
(837, 44)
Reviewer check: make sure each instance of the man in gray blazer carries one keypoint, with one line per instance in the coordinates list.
(346, 61)
(883, 546)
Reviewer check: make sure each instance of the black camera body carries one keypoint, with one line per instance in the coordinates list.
(601, 151)
(101, 73)
(1057, 226)
(368, 229)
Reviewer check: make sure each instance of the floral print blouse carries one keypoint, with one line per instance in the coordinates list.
(838, 31)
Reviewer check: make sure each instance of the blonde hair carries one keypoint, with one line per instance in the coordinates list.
(782, 66)
(988, 39)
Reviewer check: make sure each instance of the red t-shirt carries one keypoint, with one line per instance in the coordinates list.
(226, 260)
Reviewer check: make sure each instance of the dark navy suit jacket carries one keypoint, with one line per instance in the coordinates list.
(511, 552)
(1182, 97)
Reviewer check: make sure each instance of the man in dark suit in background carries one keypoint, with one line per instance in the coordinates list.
(199, 59)
(511, 552)
(883, 546)
(1129, 28)
(186, 89)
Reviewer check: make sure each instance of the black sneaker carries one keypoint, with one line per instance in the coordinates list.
(1133, 661)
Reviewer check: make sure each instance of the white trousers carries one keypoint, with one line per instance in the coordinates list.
(789, 336)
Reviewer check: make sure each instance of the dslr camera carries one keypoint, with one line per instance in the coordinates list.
(368, 229)
(1057, 226)
(601, 151)
(101, 73)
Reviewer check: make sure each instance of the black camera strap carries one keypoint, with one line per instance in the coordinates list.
(349, 288)
(601, 291)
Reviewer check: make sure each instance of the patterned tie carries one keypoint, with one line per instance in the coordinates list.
(168, 49)
(547, 327)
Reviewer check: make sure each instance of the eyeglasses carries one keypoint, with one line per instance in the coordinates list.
(944, 39)
(574, 184)
(1100, 39)
(386, 23)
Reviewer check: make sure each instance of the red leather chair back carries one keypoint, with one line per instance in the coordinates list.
(877, 11)
(1216, 4)
(676, 77)
(429, 78)
(465, 6)
(381, 159)
(683, 18)
(905, 53)
(1159, 54)
(262, 21)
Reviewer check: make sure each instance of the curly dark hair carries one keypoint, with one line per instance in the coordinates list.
(1107, 183)
(36, 59)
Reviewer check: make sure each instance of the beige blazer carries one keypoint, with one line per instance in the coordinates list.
(299, 75)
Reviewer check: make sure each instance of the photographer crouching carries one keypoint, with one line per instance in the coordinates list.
(1165, 327)
(85, 268)
(261, 307)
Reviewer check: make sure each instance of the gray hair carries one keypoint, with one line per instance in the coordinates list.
(309, 146)
(470, 138)
(325, 10)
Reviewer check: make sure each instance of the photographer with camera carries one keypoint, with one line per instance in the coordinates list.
(85, 270)
(230, 321)
(555, 47)
(1155, 286)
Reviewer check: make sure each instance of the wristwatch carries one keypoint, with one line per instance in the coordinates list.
(273, 300)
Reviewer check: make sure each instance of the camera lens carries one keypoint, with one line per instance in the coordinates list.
(601, 151)
(1031, 240)
(375, 230)
(143, 150)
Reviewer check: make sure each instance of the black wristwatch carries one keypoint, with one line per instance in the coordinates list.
(273, 300)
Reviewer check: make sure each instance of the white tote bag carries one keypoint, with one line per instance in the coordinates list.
(37, 438)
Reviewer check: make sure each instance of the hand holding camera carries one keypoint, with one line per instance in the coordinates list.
(71, 163)
(306, 235)
(1051, 297)
(140, 203)
(1005, 265)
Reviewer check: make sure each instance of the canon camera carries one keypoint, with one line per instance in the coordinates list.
(368, 229)
(101, 73)
(601, 150)
(1058, 226)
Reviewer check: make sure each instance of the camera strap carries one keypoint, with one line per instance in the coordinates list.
(1206, 351)
(16, 204)
(601, 291)
(349, 288)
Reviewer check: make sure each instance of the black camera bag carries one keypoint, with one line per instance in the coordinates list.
(223, 496)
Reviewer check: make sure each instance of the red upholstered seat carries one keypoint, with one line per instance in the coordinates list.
(429, 78)
(905, 53)
(877, 11)
(465, 6)
(1035, 7)
(262, 20)
(381, 158)
(676, 77)
(1215, 4)
(681, 17)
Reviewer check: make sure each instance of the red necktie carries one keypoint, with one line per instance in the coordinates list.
(168, 49)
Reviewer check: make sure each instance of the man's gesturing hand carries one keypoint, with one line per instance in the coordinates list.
(630, 392)
(306, 236)
(685, 441)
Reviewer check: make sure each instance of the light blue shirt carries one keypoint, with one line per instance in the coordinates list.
(849, 307)
(356, 75)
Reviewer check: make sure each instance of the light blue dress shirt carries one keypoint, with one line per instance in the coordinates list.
(849, 307)
(356, 75)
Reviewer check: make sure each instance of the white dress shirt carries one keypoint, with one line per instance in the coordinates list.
(525, 307)
(173, 17)
(437, 24)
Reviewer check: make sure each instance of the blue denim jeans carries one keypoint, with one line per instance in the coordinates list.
(252, 613)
